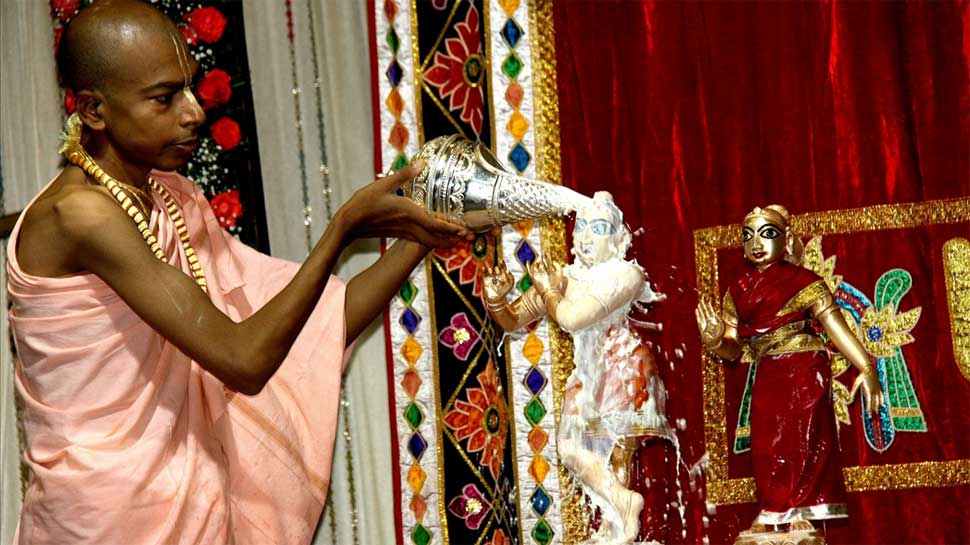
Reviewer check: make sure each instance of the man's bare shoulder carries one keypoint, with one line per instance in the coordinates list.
(70, 211)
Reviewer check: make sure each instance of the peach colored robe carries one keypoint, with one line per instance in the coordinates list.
(130, 442)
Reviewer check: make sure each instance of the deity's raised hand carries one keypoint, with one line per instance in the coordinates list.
(709, 323)
(498, 281)
(545, 275)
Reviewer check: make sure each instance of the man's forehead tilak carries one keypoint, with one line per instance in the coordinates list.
(185, 66)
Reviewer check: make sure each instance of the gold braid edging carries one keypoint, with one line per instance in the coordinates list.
(805, 298)
(956, 268)
(548, 168)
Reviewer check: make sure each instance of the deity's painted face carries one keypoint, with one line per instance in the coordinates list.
(764, 241)
(594, 236)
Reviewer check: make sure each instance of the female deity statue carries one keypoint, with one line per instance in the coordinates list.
(766, 319)
(614, 399)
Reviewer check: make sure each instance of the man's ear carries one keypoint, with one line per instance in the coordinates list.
(89, 106)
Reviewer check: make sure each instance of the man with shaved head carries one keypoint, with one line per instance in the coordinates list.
(178, 386)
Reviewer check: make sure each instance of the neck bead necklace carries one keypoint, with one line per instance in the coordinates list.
(123, 193)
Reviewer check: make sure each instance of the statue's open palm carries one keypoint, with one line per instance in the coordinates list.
(498, 281)
(709, 323)
(545, 275)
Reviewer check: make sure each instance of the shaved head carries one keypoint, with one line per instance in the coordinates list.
(131, 73)
(91, 51)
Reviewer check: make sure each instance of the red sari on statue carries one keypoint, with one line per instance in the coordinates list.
(794, 442)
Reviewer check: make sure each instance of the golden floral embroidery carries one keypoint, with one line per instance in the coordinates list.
(814, 260)
(884, 330)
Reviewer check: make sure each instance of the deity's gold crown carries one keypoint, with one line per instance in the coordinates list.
(774, 213)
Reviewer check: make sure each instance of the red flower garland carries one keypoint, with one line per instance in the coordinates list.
(214, 89)
(226, 133)
(189, 33)
(227, 208)
(65, 9)
(58, 32)
(69, 105)
(208, 23)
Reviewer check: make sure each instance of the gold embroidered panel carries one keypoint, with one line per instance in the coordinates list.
(956, 267)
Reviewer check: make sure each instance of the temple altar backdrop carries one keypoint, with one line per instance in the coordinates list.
(853, 115)
(314, 140)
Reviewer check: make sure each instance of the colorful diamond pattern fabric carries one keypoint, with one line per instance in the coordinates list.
(511, 53)
(511, 32)
(537, 439)
(542, 533)
(534, 411)
(416, 446)
(525, 253)
(512, 65)
(411, 336)
(413, 415)
(410, 320)
(395, 73)
(436, 66)
(520, 157)
(535, 381)
(540, 501)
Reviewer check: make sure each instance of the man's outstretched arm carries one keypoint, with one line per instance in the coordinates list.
(371, 290)
(103, 240)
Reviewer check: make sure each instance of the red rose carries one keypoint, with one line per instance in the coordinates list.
(214, 88)
(226, 133)
(69, 106)
(190, 35)
(208, 23)
(65, 9)
(226, 207)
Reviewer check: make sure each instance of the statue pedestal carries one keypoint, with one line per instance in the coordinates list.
(790, 537)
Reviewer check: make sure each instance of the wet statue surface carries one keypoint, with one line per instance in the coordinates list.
(614, 399)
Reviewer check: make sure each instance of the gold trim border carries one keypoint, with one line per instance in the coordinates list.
(722, 490)
(545, 94)
(909, 475)
(956, 270)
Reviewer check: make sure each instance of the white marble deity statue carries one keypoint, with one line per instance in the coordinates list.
(614, 399)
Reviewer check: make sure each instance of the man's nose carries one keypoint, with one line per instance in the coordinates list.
(193, 114)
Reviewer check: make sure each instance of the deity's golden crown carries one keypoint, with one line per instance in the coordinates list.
(774, 213)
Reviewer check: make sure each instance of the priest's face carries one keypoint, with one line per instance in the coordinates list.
(764, 241)
(150, 115)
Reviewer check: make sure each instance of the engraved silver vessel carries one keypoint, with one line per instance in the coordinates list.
(463, 180)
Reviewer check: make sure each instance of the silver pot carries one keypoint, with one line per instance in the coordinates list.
(463, 180)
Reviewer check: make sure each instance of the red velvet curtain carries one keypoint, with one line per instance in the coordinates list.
(692, 113)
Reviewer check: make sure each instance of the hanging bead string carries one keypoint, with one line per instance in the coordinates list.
(183, 232)
(328, 211)
(123, 194)
(324, 161)
(296, 91)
